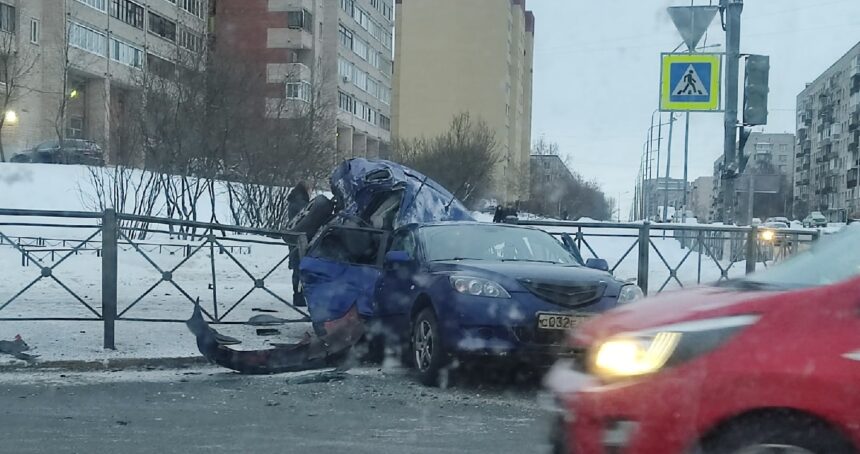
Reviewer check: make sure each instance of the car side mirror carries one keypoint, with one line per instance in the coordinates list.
(597, 264)
(392, 257)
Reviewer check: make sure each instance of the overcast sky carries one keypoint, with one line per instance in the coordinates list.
(597, 74)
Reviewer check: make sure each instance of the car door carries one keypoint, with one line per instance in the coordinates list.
(398, 288)
(341, 270)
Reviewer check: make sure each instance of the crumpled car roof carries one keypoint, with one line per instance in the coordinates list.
(355, 182)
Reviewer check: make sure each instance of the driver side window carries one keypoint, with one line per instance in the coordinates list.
(404, 241)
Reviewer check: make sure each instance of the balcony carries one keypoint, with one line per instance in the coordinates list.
(281, 72)
(289, 38)
(853, 141)
(851, 177)
(854, 70)
(803, 182)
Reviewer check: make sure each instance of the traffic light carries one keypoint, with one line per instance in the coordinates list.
(756, 89)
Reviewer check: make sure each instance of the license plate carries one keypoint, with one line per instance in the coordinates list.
(559, 321)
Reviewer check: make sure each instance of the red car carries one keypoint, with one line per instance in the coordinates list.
(768, 363)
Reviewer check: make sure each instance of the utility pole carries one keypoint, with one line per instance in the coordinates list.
(686, 157)
(731, 10)
(668, 164)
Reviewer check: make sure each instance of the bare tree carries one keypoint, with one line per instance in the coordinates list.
(462, 159)
(15, 65)
(565, 193)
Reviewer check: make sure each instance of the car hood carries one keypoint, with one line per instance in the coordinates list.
(356, 183)
(513, 272)
(675, 307)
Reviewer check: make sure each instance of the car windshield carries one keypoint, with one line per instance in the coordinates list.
(826, 263)
(492, 242)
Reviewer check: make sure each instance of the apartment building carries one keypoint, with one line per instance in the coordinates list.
(455, 56)
(341, 49)
(828, 133)
(107, 44)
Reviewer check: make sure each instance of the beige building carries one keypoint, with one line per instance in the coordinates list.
(342, 47)
(828, 133)
(107, 42)
(701, 195)
(475, 56)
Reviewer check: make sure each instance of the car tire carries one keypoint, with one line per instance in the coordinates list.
(316, 213)
(804, 433)
(429, 358)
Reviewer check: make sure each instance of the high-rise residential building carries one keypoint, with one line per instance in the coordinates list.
(107, 44)
(828, 133)
(339, 48)
(475, 56)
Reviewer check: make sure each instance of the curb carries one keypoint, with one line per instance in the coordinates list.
(107, 364)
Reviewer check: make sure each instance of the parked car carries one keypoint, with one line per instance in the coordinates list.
(815, 219)
(767, 363)
(72, 151)
(782, 219)
(459, 289)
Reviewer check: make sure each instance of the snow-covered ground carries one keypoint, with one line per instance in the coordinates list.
(53, 187)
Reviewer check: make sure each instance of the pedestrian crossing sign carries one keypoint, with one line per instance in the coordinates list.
(690, 82)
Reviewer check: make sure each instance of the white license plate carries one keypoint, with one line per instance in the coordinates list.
(560, 321)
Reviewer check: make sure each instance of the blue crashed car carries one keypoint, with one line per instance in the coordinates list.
(441, 290)
(395, 257)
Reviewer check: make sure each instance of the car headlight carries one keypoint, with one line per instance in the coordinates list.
(476, 286)
(767, 235)
(640, 353)
(630, 292)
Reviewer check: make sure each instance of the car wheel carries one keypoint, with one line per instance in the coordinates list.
(313, 216)
(777, 434)
(428, 355)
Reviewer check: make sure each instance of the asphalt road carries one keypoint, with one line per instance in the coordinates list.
(208, 410)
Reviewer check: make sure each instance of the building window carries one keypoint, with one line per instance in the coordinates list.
(346, 37)
(7, 18)
(345, 102)
(35, 30)
(159, 66)
(192, 6)
(127, 11)
(359, 78)
(300, 19)
(348, 6)
(385, 95)
(126, 53)
(87, 39)
(100, 5)
(299, 90)
(360, 47)
(190, 40)
(384, 122)
(373, 87)
(387, 11)
(75, 130)
(162, 27)
(361, 17)
(344, 68)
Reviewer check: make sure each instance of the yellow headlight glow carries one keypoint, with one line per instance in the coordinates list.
(630, 356)
(767, 235)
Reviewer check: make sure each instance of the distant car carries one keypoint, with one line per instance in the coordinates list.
(778, 219)
(769, 232)
(764, 364)
(22, 157)
(72, 151)
(756, 221)
(815, 219)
